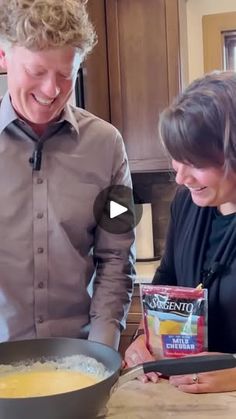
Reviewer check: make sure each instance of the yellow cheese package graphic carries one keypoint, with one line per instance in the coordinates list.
(175, 320)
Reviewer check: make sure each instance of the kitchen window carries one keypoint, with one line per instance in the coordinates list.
(219, 41)
(229, 52)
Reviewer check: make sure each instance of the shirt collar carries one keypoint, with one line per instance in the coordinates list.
(7, 113)
(69, 116)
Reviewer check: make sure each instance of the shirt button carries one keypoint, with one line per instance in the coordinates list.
(39, 180)
(40, 250)
(40, 215)
(40, 319)
(40, 284)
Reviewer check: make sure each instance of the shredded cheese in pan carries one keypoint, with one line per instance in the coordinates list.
(43, 383)
(36, 379)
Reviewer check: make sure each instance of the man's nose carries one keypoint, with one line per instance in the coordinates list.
(50, 87)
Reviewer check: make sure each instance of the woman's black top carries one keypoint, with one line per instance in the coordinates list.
(201, 248)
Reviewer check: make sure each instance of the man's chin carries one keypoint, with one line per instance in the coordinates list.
(44, 119)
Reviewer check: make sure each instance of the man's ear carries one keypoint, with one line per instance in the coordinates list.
(3, 61)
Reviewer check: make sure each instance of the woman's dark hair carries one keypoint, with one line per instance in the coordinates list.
(199, 127)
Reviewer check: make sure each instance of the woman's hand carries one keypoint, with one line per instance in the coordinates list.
(137, 353)
(206, 382)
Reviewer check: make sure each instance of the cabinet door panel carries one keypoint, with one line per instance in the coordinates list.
(138, 59)
(134, 72)
(95, 74)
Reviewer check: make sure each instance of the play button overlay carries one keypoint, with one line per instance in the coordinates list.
(115, 211)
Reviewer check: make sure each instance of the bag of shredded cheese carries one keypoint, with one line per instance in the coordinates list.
(175, 320)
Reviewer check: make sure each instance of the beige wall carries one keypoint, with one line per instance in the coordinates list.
(195, 10)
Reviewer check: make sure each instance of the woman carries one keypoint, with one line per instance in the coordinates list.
(199, 132)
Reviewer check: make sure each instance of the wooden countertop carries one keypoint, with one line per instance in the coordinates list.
(135, 400)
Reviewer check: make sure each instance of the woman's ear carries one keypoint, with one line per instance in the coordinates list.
(3, 62)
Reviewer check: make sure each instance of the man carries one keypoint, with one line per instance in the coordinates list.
(54, 161)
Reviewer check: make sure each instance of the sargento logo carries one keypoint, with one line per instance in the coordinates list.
(163, 303)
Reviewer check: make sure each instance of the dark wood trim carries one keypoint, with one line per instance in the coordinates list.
(95, 68)
(114, 63)
(183, 44)
(173, 56)
(150, 165)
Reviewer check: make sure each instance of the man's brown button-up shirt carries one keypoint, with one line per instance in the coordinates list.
(51, 247)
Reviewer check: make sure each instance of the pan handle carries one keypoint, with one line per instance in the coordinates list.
(191, 364)
(180, 366)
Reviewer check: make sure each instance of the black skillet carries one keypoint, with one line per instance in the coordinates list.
(87, 403)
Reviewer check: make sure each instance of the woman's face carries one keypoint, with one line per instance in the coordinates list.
(208, 186)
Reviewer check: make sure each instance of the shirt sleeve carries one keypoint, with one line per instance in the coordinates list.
(115, 273)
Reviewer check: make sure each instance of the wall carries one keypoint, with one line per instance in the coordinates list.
(195, 10)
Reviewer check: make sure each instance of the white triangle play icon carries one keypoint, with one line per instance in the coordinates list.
(116, 209)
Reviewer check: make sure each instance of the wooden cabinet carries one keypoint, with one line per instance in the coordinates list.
(134, 72)
(133, 321)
